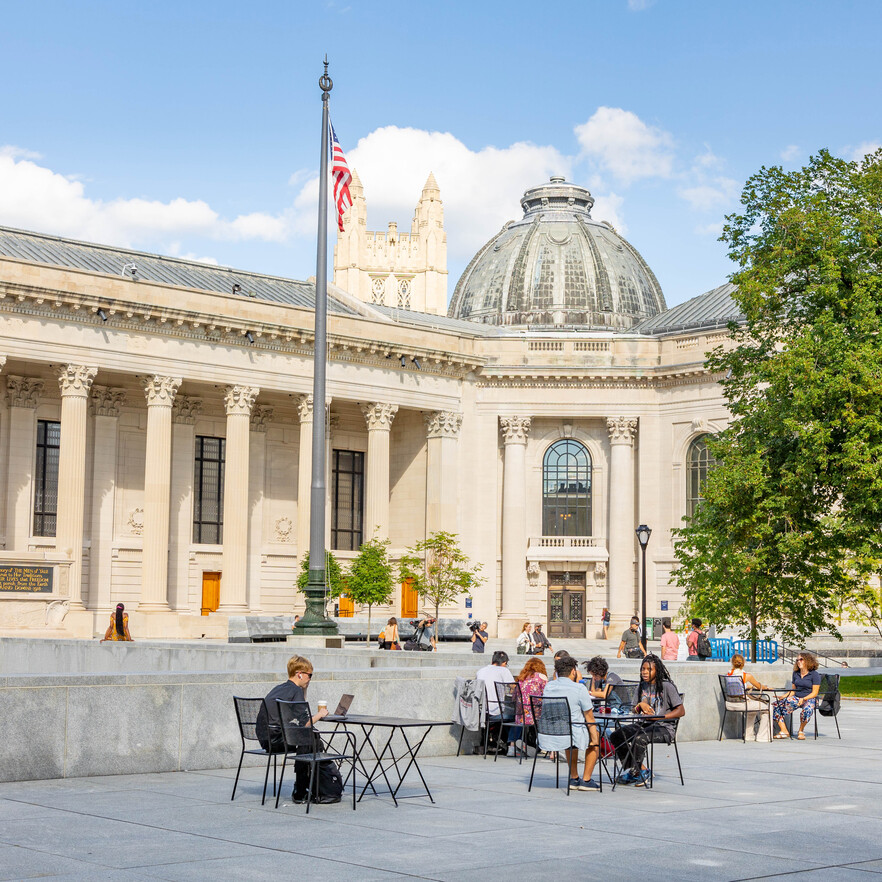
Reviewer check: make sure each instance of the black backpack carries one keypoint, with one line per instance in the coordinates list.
(829, 705)
(703, 646)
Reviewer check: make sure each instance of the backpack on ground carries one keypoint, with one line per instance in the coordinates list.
(703, 646)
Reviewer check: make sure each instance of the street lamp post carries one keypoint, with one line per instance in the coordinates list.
(643, 533)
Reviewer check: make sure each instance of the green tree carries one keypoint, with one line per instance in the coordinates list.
(336, 578)
(439, 570)
(370, 577)
(792, 513)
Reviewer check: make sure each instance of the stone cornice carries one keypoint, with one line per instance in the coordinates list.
(19, 298)
(641, 378)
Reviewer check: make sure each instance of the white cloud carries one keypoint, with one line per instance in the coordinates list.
(480, 189)
(714, 229)
(37, 198)
(791, 152)
(609, 208)
(625, 146)
(864, 149)
(715, 193)
(14, 152)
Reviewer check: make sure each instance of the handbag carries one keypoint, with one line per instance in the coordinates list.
(522, 649)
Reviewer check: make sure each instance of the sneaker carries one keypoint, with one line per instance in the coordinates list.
(575, 783)
(643, 778)
(298, 798)
(625, 778)
(590, 786)
(511, 749)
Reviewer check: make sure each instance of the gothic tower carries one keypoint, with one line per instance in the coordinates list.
(404, 270)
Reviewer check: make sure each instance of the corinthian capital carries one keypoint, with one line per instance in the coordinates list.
(515, 429)
(107, 401)
(240, 399)
(622, 430)
(161, 391)
(443, 424)
(23, 391)
(186, 409)
(378, 415)
(260, 416)
(76, 380)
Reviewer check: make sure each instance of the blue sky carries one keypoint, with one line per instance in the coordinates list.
(193, 128)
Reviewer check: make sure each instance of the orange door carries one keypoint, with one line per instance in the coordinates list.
(210, 592)
(410, 600)
(345, 607)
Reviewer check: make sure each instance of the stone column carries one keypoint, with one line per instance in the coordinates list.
(260, 416)
(23, 395)
(304, 475)
(106, 403)
(622, 600)
(234, 567)
(442, 485)
(515, 430)
(160, 392)
(378, 417)
(75, 381)
(183, 454)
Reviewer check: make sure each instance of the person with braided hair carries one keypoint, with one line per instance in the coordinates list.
(118, 629)
(656, 696)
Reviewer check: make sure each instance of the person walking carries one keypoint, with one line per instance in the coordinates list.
(604, 621)
(670, 642)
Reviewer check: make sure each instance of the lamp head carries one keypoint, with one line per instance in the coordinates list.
(643, 533)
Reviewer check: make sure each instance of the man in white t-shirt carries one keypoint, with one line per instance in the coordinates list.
(496, 672)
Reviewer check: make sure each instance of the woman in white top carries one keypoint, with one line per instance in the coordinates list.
(390, 635)
(756, 706)
(524, 642)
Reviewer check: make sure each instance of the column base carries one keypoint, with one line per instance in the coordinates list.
(510, 624)
(153, 608)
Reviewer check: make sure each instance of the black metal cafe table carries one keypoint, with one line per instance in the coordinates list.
(387, 765)
(616, 721)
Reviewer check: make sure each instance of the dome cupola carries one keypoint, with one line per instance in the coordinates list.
(558, 267)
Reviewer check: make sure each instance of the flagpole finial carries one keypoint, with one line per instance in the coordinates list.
(325, 82)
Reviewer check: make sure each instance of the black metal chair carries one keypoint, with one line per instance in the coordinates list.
(247, 711)
(552, 717)
(304, 742)
(673, 742)
(624, 695)
(507, 703)
(736, 700)
(829, 690)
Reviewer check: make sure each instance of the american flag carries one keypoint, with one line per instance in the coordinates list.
(342, 178)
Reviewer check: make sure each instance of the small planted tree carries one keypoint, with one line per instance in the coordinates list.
(370, 577)
(439, 570)
(334, 575)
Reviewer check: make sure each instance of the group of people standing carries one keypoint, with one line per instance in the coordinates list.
(532, 640)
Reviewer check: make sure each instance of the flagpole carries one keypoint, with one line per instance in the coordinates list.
(314, 620)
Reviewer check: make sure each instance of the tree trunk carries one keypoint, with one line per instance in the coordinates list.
(436, 625)
(753, 619)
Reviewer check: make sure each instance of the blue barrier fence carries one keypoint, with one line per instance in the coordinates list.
(723, 648)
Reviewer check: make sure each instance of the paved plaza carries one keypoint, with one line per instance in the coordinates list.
(808, 810)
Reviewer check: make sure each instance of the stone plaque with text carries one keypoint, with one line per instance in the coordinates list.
(26, 579)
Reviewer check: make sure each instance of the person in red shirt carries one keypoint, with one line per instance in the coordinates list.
(670, 642)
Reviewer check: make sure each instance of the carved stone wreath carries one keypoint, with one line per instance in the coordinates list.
(284, 528)
(136, 521)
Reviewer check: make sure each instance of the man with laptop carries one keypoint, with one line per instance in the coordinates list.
(268, 726)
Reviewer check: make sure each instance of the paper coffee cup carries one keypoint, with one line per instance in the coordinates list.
(322, 704)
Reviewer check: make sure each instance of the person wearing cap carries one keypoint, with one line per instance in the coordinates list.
(632, 643)
(538, 640)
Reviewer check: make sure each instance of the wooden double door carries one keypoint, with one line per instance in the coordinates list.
(566, 605)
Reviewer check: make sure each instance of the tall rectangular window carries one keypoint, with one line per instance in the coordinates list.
(208, 487)
(348, 500)
(46, 478)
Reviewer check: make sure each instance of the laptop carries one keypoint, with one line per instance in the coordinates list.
(343, 706)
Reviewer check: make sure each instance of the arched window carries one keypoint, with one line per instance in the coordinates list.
(566, 490)
(699, 460)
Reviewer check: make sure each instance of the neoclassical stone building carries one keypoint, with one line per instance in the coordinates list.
(157, 421)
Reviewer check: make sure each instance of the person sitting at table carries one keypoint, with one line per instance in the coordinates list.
(585, 733)
(600, 679)
(754, 705)
(269, 725)
(803, 695)
(496, 672)
(656, 696)
(531, 681)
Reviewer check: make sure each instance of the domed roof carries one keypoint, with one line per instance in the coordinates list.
(558, 266)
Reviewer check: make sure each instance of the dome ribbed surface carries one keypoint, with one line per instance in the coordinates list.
(557, 266)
